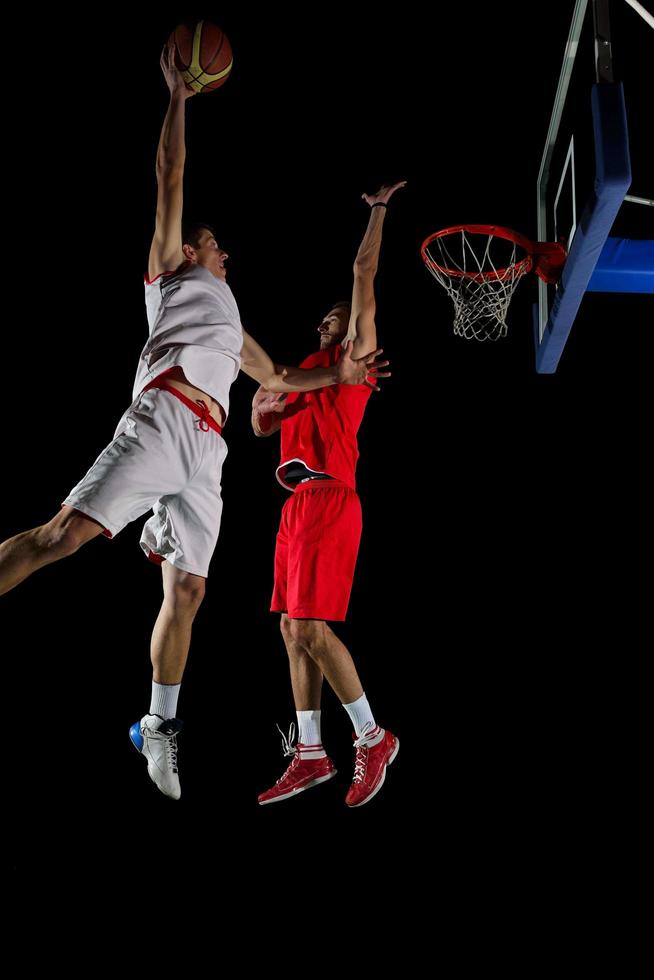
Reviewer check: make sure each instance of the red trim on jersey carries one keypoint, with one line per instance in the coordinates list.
(150, 282)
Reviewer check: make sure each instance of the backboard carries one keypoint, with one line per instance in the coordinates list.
(585, 174)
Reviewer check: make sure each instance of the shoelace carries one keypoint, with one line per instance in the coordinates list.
(360, 764)
(203, 424)
(170, 746)
(171, 752)
(289, 749)
(361, 759)
(287, 743)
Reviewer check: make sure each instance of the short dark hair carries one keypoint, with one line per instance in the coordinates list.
(192, 231)
(346, 303)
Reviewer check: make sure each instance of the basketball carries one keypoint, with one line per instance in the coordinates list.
(203, 54)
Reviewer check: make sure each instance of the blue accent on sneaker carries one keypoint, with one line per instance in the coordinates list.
(136, 737)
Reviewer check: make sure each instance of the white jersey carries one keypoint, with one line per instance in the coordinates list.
(195, 325)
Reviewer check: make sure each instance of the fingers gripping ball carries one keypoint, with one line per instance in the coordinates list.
(203, 54)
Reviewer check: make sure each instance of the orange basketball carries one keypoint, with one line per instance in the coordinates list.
(203, 54)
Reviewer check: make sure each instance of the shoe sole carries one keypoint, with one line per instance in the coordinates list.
(296, 792)
(353, 806)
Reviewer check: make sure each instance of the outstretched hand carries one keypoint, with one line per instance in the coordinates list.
(265, 402)
(172, 74)
(361, 370)
(384, 194)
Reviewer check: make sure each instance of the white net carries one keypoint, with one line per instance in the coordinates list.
(479, 272)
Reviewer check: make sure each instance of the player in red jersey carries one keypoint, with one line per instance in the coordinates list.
(319, 536)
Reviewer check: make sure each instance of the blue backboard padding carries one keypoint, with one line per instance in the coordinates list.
(612, 180)
(624, 266)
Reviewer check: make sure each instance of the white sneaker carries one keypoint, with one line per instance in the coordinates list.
(156, 739)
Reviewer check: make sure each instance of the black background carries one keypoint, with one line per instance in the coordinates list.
(495, 617)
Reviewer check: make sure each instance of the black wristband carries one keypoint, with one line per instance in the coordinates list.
(379, 204)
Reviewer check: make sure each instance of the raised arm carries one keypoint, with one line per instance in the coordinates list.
(166, 250)
(282, 378)
(362, 330)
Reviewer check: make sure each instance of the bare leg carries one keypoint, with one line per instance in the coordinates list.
(60, 537)
(329, 655)
(306, 676)
(171, 637)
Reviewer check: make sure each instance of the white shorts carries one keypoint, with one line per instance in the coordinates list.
(161, 457)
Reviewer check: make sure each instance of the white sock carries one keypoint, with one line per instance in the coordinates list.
(361, 717)
(308, 734)
(164, 700)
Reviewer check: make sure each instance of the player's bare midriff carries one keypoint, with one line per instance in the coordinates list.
(176, 379)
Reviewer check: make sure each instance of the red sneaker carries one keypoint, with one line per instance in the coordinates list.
(374, 753)
(303, 772)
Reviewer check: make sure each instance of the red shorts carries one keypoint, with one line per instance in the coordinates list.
(316, 553)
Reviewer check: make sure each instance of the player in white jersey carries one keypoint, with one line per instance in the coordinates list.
(167, 451)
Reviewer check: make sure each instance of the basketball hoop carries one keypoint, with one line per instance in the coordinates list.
(480, 267)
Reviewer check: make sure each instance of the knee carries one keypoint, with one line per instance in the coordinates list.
(307, 633)
(295, 649)
(62, 538)
(285, 627)
(186, 593)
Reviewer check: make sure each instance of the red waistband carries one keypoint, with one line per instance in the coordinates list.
(320, 485)
(198, 408)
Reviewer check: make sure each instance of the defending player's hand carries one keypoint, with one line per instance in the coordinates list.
(361, 370)
(266, 402)
(384, 194)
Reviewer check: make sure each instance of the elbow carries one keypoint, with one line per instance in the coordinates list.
(363, 268)
(169, 172)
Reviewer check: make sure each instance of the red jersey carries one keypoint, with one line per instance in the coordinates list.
(319, 428)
